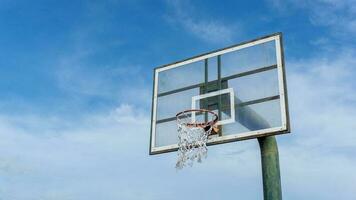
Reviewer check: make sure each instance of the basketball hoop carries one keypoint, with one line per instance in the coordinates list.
(194, 128)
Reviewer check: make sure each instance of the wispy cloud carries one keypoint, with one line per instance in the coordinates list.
(323, 98)
(105, 156)
(74, 75)
(337, 15)
(308, 173)
(205, 28)
(67, 161)
(321, 146)
(340, 14)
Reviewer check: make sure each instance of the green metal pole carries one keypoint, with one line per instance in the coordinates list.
(270, 168)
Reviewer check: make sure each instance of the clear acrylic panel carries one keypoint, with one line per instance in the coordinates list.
(255, 117)
(255, 86)
(212, 68)
(168, 106)
(166, 133)
(182, 76)
(249, 58)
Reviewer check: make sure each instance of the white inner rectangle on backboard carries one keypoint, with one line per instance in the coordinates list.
(229, 91)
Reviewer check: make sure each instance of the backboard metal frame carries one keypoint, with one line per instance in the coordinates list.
(285, 128)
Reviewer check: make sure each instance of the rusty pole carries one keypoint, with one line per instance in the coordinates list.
(270, 168)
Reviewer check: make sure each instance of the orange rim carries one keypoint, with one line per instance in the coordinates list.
(203, 125)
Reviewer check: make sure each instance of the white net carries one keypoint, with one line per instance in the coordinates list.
(191, 142)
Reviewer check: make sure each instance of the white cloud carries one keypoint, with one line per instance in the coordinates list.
(309, 173)
(126, 113)
(321, 98)
(74, 76)
(335, 14)
(44, 161)
(209, 30)
(318, 155)
(103, 156)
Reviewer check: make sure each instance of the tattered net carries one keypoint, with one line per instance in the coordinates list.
(193, 135)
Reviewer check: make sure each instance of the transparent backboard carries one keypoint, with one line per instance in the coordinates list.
(244, 84)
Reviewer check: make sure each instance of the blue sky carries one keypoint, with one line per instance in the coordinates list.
(75, 97)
